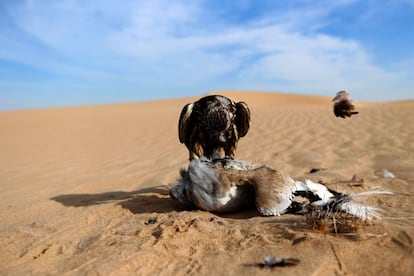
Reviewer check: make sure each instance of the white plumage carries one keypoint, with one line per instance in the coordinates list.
(226, 185)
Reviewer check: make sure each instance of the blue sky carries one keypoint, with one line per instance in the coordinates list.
(68, 52)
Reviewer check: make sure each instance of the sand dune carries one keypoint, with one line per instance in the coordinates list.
(84, 190)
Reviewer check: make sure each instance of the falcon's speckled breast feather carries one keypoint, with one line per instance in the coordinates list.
(212, 126)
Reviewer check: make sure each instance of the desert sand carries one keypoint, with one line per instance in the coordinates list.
(84, 190)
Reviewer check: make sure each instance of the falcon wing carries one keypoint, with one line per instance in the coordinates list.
(183, 122)
(242, 119)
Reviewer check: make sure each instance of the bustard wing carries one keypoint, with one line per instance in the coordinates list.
(242, 119)
(183, 123)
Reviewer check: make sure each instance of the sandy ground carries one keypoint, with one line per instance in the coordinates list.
(84, 190)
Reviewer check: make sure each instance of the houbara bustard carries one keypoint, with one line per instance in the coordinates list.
(227, 185)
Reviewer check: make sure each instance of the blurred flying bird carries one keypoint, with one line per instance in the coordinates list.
(212, 126)
(343, 106)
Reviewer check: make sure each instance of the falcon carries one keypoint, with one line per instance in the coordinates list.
(343, 106)
(212, 126)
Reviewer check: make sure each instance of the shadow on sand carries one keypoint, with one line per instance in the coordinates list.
(147, 200)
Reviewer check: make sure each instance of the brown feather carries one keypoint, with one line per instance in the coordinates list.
(212, 126)
(242, 119)
(183, 122)
(343, 106)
